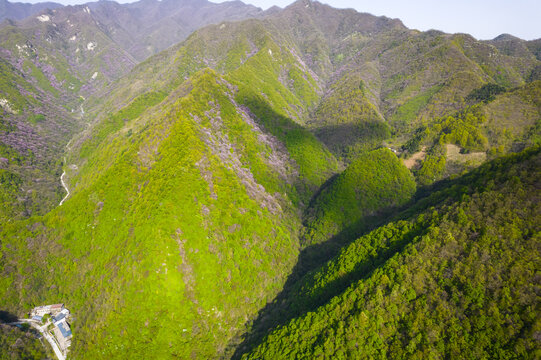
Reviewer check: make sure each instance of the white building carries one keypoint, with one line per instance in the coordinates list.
(47, 309)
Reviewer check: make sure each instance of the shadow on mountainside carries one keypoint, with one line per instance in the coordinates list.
(315, 162)
(361, 135)
(292, 302)
(6, 317)
(289, 303)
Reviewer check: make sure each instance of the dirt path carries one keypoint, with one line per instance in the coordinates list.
(418, 156)
(65, 187)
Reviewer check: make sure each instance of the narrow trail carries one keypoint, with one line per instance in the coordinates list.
(62, 177)
(65, 187)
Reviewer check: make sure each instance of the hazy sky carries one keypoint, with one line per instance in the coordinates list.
(484, 19)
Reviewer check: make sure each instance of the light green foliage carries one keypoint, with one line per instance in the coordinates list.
(182, 236)
(9, 79)
(115, 122)
(407, 113)
(464, 129)
(10, 184)
(303, 85)
(36, 118)
(372, 183)
(40, 79)
(494, 127)
(169, 236)
(433, 167)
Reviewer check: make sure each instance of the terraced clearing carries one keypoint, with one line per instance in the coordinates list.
(453, 154)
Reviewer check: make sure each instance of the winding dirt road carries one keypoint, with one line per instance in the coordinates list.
(65, 187)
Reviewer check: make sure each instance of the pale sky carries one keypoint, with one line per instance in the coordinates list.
(484, 19)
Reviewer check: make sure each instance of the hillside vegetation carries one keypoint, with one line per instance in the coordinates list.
(190, 197)
(372, 184)
(243, 193)
(455, 277)
(17, 344)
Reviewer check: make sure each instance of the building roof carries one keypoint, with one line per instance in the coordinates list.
(59, 317)
(56, 306)
(64, 329)
(37, 317)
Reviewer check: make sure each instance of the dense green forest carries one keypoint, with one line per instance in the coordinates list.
(307, 183)
(373, 183)
(16, 343)
(455, 277)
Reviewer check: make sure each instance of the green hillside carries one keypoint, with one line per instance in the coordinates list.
(189, 196)
(309, 183)
(372, 184)
(455, 277)
(347, 121)
(19, 344)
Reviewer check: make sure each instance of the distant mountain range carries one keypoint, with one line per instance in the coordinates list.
(144, 27)
(19, 11)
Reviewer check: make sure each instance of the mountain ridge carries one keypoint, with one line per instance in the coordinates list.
(19, 10)
(252, 177)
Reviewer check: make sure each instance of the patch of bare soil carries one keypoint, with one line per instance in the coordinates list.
(415, 158)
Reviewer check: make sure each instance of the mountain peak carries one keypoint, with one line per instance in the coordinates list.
(306, 4)
(506, 37)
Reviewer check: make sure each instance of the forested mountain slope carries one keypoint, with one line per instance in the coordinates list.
(52, 61)
(238, 193)
(201, 219)
(454, 277)
(362, 81)
(373, 183)
(375, 81)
